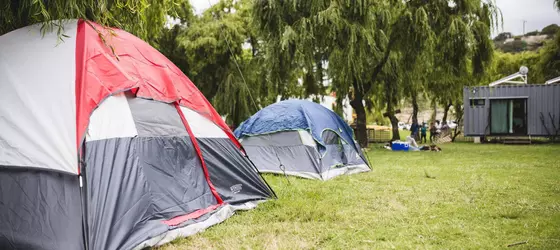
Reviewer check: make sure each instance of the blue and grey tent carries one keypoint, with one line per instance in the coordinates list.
(301, 138)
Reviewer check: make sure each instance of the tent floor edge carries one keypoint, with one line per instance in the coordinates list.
(220, 215)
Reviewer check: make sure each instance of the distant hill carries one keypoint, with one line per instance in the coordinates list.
(531, 41)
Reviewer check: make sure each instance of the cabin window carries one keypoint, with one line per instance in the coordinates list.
(478, 102)
(508, 117)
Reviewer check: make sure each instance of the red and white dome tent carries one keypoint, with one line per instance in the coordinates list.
(105, 144)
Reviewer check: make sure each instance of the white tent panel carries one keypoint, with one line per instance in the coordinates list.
(202, 127)
(112, 119)
(37, 99)
(306, 138)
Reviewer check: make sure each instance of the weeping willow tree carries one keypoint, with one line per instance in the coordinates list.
(143, 18)
(456, 46)
(353, 49)
(292, 46)
(423, 42)
(316, 39)
(390, 91)
(414, 87)
(220, 52)
(359, 38)
(464, 49)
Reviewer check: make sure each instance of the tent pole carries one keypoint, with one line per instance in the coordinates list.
(83, 195)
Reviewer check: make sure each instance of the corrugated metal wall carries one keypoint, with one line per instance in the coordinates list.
(540, 98)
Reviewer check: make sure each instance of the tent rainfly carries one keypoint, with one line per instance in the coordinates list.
(105, 144)
(301, 138)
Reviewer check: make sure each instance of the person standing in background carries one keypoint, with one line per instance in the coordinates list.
(423, 130)
(414, 130)
(433, 132)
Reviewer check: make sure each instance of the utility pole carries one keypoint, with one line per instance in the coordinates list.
(524, 22)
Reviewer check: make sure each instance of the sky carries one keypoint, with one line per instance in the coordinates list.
(201, 5)
(537, 13)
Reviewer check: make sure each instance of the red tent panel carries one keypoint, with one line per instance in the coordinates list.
(117, 61)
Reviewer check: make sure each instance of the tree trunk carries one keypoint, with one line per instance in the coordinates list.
(395, 125)
(414, 108)
(415, 114)
(434, 113)
(357, 104)
(445, 111)
(390, 100)
(394, 122)
(253, 43)
(361, 129)
(391, 114)
(459, 111)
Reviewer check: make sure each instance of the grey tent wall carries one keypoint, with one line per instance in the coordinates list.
(281, 159)
(39, 209)
(282, 152)
(233, 175)
(136, 184)
(228, 171)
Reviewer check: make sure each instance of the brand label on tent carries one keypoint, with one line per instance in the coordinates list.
(236, 188)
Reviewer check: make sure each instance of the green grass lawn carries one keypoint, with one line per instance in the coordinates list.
(468, 196)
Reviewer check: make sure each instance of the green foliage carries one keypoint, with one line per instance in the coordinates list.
(506, 64)
(464, 49)
(375, 116)
(212, 50)
(375, 49)
(503, 36)
(550, 29)
(514, 47)
(293, 36)
(302, 37)
(170, 46)
(212, 42)
(548, 66)
(533, 33)
(543, 64)
(144, 18)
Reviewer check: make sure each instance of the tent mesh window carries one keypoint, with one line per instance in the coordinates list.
(334, 148)
(331, 138)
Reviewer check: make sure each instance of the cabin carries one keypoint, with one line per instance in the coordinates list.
(517, 109)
